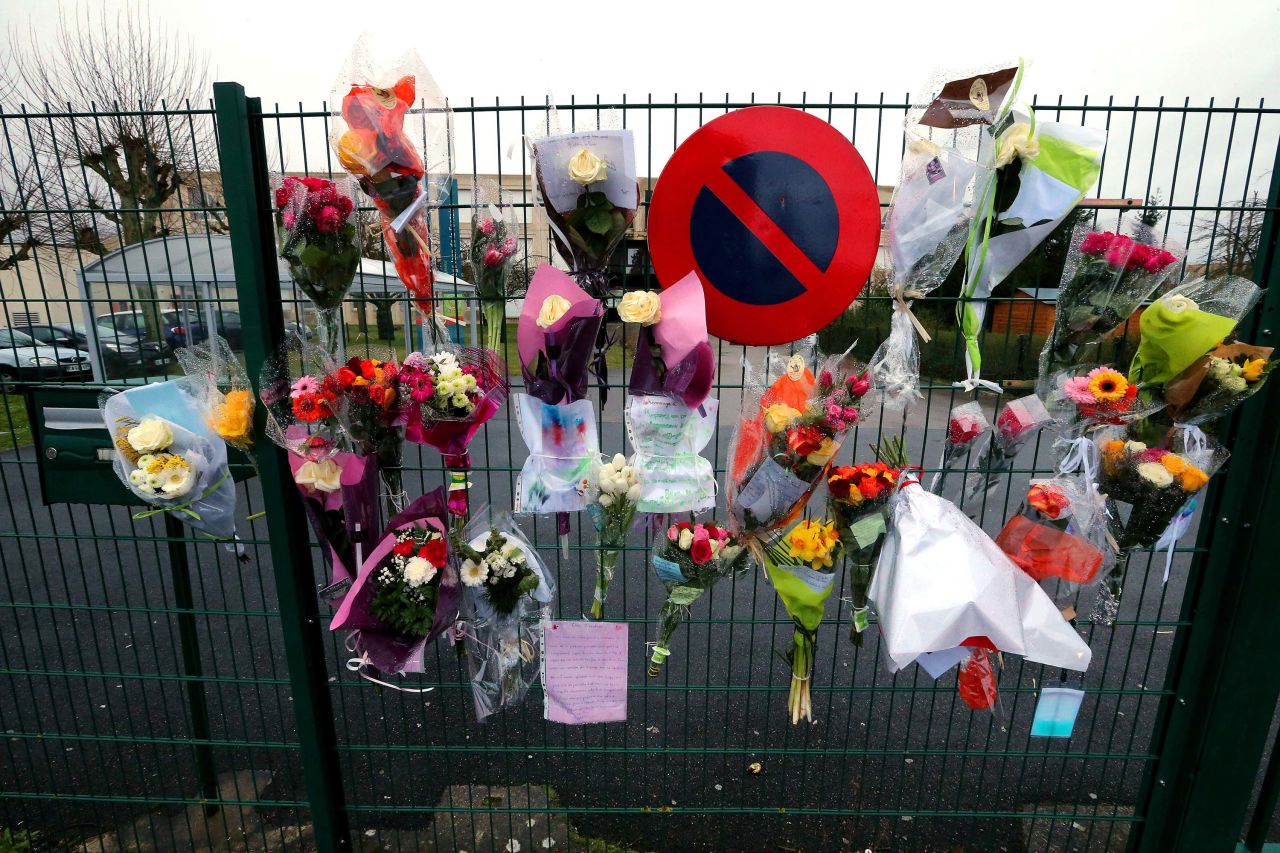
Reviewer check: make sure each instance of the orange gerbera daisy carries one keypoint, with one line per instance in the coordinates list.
(1107, 385)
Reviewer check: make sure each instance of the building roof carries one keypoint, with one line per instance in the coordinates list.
(1047, 295)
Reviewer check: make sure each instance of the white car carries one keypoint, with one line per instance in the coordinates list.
(23, 358)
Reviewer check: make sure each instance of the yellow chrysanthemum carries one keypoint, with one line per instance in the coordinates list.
(232, 418)
(1107, 385)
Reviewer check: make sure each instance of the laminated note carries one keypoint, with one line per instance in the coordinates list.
(585, 672)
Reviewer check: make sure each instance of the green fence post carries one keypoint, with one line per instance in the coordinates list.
(1225, 691)
(244, 182)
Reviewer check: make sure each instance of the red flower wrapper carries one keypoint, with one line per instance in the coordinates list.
(374, 146)
(966, 426)
(419, 533)
(1059, 531)
(976, 683)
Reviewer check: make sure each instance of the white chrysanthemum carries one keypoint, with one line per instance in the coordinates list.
(178, 481)
(460, 401)
(512, 554)
(417, 571)
(473, 573)
(141, 480)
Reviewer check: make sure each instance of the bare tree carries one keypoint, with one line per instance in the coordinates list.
(1231, 246)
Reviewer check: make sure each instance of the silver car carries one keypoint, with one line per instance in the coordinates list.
(23, 358)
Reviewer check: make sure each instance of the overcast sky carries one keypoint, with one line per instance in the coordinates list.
(291, 51)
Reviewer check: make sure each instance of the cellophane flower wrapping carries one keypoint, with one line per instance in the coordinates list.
(401, 162)
(1017, 424)
(967, 430)
(926, 229)
(1105, 278)
(221, 388)
(167, 455)
(502, 643)
(942, 581)
(1214, 385)
(1187, 322)
(1059, 532)
(318, 235)
(689, 558)
(448, 394)
(612, 511)
(586, 185)
(857, 502)
(406, 580)
(494, 250)
(564, 455)
(668, 439)
(1087, 397)
(339, 486)
(788, 433)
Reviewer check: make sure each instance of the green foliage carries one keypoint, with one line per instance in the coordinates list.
(411, 611)
(19, 841)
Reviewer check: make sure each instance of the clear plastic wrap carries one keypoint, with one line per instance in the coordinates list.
(1085, 397)
(318, 235)
(1214, 385)
(168, 456)
(668, 439)
(507, 592)
(787, 436)
(1060, 531)
(612, 511)
(1017, 424)
(1187, 322)
(494, 247)
(222, 390)
(1105, 278)
(373, 143)
(967, 427)
(689, 559)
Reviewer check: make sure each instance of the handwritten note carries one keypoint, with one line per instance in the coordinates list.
(667, 437)
(585, 672)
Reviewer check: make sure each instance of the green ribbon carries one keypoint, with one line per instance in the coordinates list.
(184, 508)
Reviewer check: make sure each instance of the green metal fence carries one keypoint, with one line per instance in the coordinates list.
(159, 694)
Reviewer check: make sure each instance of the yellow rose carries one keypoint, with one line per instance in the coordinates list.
(1017, 142)
(640, 306)
(323, 476)
(150, 435)
(778, 416)
(823, 454)
(553, 308)
(586, 168)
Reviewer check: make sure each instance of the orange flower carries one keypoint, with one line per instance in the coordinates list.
(1173, 463)
(1193, 479)
(1112, 455)
(1252, 369)
(358, 150)
(1048, 499)
(1107, 385)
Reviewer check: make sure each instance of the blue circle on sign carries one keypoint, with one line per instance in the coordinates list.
(795, 197)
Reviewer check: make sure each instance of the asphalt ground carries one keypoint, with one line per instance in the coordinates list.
(86, 654)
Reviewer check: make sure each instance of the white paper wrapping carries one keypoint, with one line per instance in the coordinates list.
(667, 437)
(564, 453)
(941, 580)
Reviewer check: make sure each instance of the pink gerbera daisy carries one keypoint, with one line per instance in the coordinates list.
(304, 385)
(1077, 390)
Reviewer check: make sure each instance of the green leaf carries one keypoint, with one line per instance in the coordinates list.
(684, 596)
(598, 221)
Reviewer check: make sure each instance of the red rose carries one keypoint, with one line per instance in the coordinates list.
(369, 369)
(700, 553)
(963, 430)
(1096, 243)
(1118, 254)
(1159, 260)
(403, 549)
(840, 482)
(1139, 257)
(314, 184)
(804, 440)
(345, 377)
(284, 192)
(345, 206)
(1011, 426)
(328, 220)
(376, 392)
(434, 552)
(872, 487)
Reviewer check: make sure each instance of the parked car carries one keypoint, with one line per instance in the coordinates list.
(23, 358)
(177, 327)
(122, 355)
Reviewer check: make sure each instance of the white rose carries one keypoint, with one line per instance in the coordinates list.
(640, 306)
(1017, 142)
(586, 168)
(323, 476)
(553, 308)
(633, 493)
(1155, 474)
(686, 539)
(149, 435)
(1134, 447)
(1178, 304)
(178, 481)
(417, 571)
(606, 499)
(729, 552)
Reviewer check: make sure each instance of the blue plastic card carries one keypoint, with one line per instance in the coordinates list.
(1056, 712)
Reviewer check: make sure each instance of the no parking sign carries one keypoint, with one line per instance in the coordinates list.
(779, 216)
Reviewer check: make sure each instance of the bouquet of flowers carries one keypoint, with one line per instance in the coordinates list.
(317, 233)
(612, 511)
(167, 456)
(493, 247)
(406, 592)
(449, 395)
(802, 569)
(506, 593)
(587, 187)
(857, 502)
(786, 439)
(556, 332)
(372, 144)
(371, 417)
(688, 561)
(1085, 398)
(1105, 278)
(218, 380)
(1018, 422)
(966, 426)
(1215, 384)
(941, 583)
(1060, 531)
(1185, 324)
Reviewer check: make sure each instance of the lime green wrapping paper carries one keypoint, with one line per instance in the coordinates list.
(803, 591)
(1172, 340)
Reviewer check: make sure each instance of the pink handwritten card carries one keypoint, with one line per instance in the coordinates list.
(585, 672)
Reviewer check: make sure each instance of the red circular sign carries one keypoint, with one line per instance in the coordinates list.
(779, 216)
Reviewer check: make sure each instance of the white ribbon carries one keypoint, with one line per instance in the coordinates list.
(360, 666)
(1176, 530)
(1194, 444)
(974, 380)
(1081, 455)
